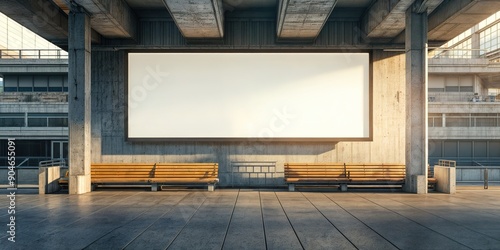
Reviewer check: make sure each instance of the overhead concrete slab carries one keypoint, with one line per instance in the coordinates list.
(302, 19)
(386, 18)
(452, 18)
(203, 19)
(42, 17)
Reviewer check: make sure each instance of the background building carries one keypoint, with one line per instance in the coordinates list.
(464, 101)
(33, 98)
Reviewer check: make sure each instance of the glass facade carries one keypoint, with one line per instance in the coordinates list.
(33, 120)
(466, 45)
(489, 38)
(36, 83)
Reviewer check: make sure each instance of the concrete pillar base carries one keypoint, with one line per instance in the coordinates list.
(79, 184)
(418, 184)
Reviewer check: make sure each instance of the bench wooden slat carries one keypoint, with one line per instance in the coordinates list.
(154, 180)
(343, 174)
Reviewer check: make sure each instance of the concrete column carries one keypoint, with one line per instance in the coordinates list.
(79, 100)
(416, 99)
(444, 121)
(475, 42)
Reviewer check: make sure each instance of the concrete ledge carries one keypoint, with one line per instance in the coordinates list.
(48, 179)
(446, 177)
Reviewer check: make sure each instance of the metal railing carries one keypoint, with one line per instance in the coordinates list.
(461, 97)
(33, 54)
(447, 163)
(452, 53)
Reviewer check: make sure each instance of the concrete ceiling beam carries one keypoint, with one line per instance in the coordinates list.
(385, 18)
(302, 19)
(42, 17)
(111, 18)
(202, 19)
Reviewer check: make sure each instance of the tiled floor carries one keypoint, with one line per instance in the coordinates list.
(254, 219)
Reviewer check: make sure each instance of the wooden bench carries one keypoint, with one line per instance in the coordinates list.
(155, 174)
(315, 174)
(64, 181)
(343, 174)
(431, 180)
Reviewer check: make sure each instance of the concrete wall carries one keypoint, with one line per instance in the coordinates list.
(246, 163)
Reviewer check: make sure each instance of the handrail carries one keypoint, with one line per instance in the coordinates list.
(454, 53)
(33, 54)
(16, 172)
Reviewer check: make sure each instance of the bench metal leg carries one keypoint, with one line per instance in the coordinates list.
(93, 187)
(154, 187)
(343, 187)
(211, 187)
(291, 187)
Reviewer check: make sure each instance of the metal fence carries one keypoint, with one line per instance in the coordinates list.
(33, 54)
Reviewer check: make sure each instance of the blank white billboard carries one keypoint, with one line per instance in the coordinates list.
(281, 96)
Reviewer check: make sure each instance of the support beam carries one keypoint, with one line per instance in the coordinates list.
(42, 17)
(385, 18)
(416, 99)
(302, 19)
(198, 20)
(79, 75)
(111, 18)
(453, 17)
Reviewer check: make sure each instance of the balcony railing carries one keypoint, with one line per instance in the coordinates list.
(461, 97)
(33, 54)
(444, 53)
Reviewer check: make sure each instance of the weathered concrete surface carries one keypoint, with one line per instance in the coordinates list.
(416, 99)
(79, 74)
(302, 19)
(247, 163)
